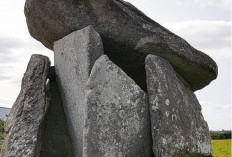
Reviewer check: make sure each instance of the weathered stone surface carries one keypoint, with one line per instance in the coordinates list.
(75, 55)
(128, 36)
(177, 123)
(56, 139)
(117, 115)
(24, 125)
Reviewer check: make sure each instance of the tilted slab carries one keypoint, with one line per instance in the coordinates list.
(56, 141)
(178, 126)
(117, 115)
(24, 124)
(128, 36)
(75, 55)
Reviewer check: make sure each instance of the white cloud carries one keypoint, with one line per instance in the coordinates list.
(5, 103)
(15, 52)
(218, 116)
(164, 11)
(16, 48)
(225, 4)
(206, 4)
(212, 37)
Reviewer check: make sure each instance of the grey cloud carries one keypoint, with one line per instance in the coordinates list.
(6, 73)
(217, 115)
(205, 35)
(224, 4)
(16, 81)
(4, 77)
(9, 43)
(7, 58)
(219, 91)
(164, 11)
(5, 67)
(5, 103)
(216, 38)
(8, 48)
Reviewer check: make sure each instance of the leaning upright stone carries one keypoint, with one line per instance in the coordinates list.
(178, 126)
(24, 125)
(75, 55)
(117, 121)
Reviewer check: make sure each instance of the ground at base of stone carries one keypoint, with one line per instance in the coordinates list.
(216, 144)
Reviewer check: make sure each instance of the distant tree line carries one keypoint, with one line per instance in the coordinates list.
(217, 135)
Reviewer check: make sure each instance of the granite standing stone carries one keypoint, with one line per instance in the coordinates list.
(128, 36)
(56, 139)
(75, 55)
(24, 126)
(178, 126)
(117, 115)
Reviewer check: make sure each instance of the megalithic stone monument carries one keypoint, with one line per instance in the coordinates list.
(102, 98)
(93, 108)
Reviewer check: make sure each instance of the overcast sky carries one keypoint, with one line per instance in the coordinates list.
(205, 24)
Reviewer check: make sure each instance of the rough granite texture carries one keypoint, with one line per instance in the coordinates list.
(117, 115)
(128, 36)
(178, 126)
(56, 139)
(75, 55)
(25, 123)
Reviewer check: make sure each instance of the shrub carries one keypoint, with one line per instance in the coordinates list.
(217, 135)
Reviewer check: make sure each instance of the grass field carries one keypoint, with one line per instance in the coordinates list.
(221, 148)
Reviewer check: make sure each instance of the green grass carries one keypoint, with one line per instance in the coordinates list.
(221, 148)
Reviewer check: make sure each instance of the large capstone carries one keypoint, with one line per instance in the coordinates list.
(75, 55)
(24, 126)
(56, 141)
(178, 126)
(117, 115)
(128, 36)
